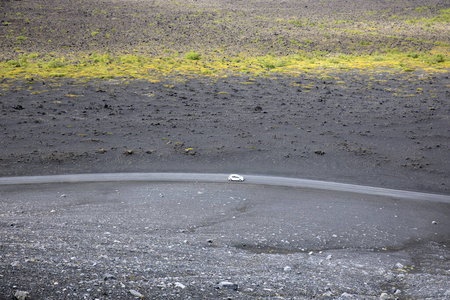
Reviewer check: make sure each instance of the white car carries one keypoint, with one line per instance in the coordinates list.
(235, 177)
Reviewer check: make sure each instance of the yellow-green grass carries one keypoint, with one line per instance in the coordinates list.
(106, 66)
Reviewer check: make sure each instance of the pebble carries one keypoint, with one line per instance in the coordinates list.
(228, 285)
(136, 294)
(328, 294)
(287, 269)
(346, 295)
(108, 276)
(399, 266)
(21, 295)
(180, 285)
(386, 296)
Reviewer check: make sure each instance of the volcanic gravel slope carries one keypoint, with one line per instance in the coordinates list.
(353, 128)
(231, 27)
(384, 128)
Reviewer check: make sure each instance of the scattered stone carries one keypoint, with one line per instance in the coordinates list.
(15, 264)
(228, 285)
(180, 285)
(136, 294)
(108, 276)
(385, 296)
(21, 295)
(327, 294)
(434, 222)
(63, 195)
(101, 151)
(128, 152)
(189, 151)
(287, 269)
(329, 257)
(346, 295)
(319, 152)
(399, 266)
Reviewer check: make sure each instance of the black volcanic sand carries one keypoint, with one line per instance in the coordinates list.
(379, 129)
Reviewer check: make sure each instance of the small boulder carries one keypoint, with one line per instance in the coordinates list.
(21, 295)
(136, 294)
(228, 285)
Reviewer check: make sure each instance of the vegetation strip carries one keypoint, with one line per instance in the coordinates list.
(95, 66)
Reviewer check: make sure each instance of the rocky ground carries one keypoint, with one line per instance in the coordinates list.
(237, 241)
(382, 128)
(228, 27)
(350, 128)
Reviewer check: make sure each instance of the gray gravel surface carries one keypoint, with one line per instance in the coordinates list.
(112, 240)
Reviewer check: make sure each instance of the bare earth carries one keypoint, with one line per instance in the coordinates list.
(257, 27)
(386, 128)
(388, 131)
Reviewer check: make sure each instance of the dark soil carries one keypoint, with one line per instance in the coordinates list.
(375, 128)
(229, 27)
(388, 130)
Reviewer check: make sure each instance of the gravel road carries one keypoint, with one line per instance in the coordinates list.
(122, 240)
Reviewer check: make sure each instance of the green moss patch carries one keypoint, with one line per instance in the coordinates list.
(106, 66)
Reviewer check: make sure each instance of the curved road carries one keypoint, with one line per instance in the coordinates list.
(218, 178)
